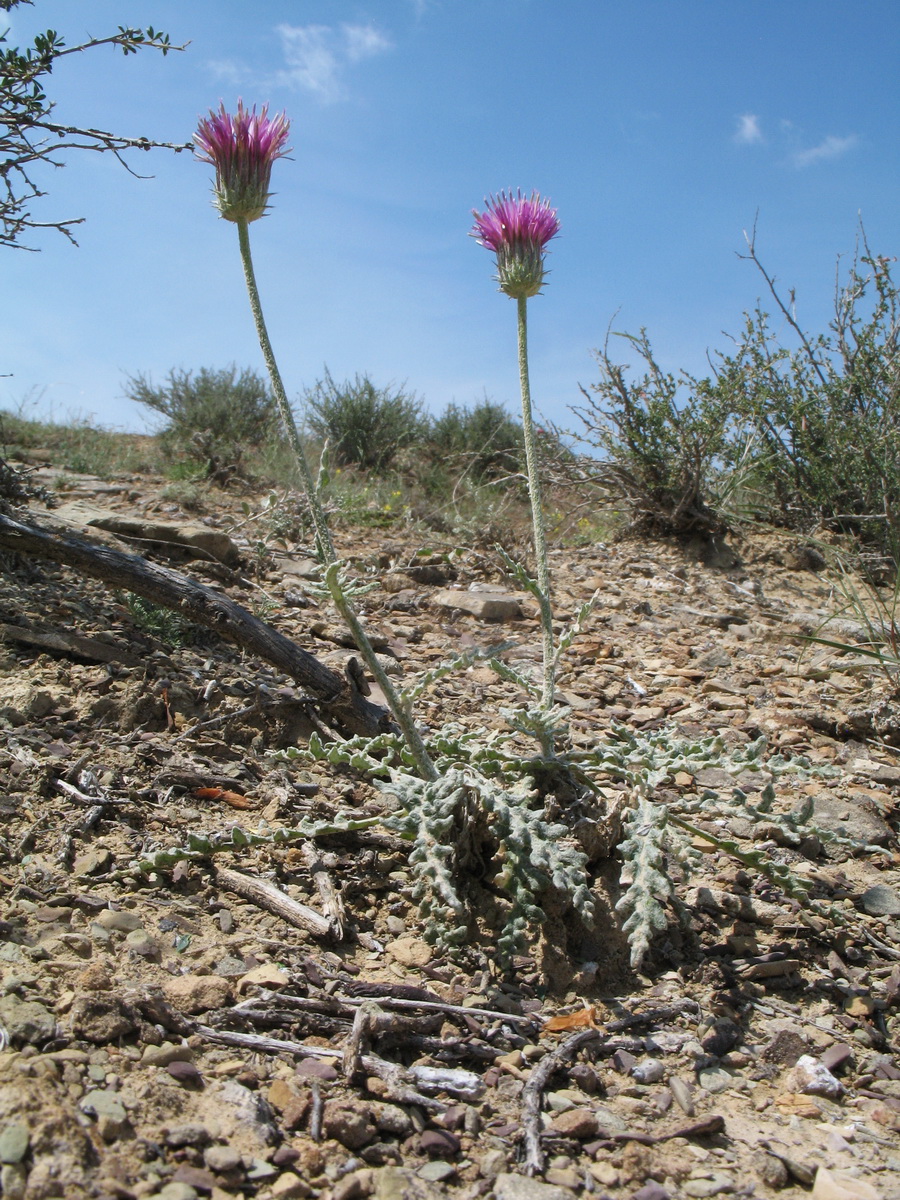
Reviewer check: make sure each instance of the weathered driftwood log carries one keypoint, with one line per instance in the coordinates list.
(338, 695)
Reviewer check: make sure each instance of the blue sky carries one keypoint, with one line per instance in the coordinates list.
(658, 128)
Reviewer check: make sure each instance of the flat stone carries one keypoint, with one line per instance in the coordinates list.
(112, 1119)
(609, 1121)
(122, 920)
(93, 862)
(399, 1183)
(651, 1191)
(576, 1123)
(14, 1139)
(261, 1170)
(196, 1177)
(13, 1181)
(881, 901)
(836, 1056)
(520, 1187)
(316, 1068)
(190, 1133)
(197, 993)
(716, 1079)
(26, 1021)
(714, 1185)
(410, 951)
(437, 1171)
(855, 817)
(176, 1191)
(288, 1186)
(832, 1184)
(438, 1142)
(184, 1073)
(485, 606)
(210, 542)
(223, 1158)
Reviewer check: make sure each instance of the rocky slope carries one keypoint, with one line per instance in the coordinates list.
(178, 1032)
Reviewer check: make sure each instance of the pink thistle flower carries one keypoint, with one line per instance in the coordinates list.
(517, 229)
(242, 148)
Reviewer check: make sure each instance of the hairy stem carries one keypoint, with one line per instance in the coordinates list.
(399, 710)
(537, 508)
(325, 545)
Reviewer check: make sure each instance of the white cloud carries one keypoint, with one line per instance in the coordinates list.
(228, 71)
(748, 131)
(829, 147)
(316, 55)
(362, 41)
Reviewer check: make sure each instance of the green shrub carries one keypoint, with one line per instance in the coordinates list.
(364, 425)
(212, 416)
(826, 412)
(806, 435)
(662, 438)
(483, 441)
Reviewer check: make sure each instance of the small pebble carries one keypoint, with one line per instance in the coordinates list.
(315, 1068)
(187, 1134)
(836, 1056)
(438, 1142)
(716, 1079)
(651, 1191)
(185, 1073)
(14, 1139)
(176, 1191)
(222, 1158)
(684, 1095)
(813, 1078)
(437, 1171)
(648, 1070)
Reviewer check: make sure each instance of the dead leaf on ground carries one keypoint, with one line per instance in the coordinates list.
(235, 799)
(584, 1018)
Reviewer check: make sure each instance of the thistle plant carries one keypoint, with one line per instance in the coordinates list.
(467, 791)
(516, 229)
(243, 148)
(439, 796)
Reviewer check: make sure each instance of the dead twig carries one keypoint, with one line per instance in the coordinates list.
(533, 1093)
(317, 1111)
(266, 895)
(369, 1020)
(402, 1082)
(338, 695)
(332, 903)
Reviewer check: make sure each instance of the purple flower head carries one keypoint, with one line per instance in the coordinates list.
(517, 228)
(242, 148)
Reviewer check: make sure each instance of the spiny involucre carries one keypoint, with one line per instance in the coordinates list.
(517, 229)
(242, 147)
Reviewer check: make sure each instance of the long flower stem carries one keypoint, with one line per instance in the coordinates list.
(537, 508)
(324, 542)
(400, 711)
(323, 535)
